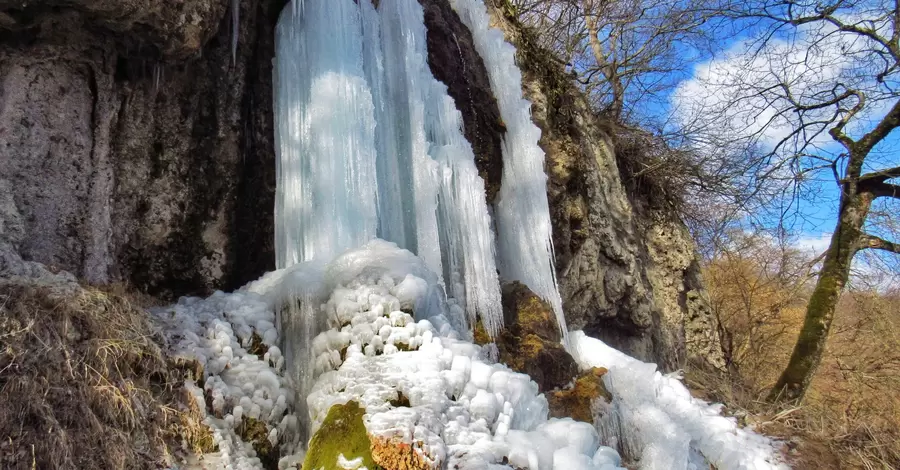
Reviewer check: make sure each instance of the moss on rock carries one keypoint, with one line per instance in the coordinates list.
(529, 342)
(575, 402)
(255, 432)
(481, 335)
(342, 433)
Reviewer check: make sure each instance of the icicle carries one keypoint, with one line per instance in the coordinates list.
(370, 144)
(403, 41)
(522, 213)
(466, 236)
(157, 76)
(235, 25)
(394, 198)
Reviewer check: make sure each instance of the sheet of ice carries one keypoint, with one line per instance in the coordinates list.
(654, 419)
(524, 242)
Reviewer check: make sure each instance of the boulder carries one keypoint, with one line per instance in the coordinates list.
(530, 339)
(576, 402)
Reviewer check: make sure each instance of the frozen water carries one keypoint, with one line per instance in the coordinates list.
(524, 242)
(370, 144)
(465, 411)
(654, 419)
(325, 134)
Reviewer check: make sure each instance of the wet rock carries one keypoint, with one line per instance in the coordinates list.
(529, 341)
(576, 402)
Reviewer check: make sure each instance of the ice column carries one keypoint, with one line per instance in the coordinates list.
(325, 134)
(522, 213)
(403, 43)
(462, 228)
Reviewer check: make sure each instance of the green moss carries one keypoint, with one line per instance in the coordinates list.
(342, 432)
(256, 433)
(481, 335)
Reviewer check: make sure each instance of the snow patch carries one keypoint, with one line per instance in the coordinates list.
(653, 417)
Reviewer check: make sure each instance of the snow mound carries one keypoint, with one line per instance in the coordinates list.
(653, 417)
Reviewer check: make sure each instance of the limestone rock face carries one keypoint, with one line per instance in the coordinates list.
(132, 147)
(174, 29)
(625, 266)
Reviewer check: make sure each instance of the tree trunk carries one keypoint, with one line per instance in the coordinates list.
(795, 380)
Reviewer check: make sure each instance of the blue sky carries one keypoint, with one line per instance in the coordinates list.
(812, 216)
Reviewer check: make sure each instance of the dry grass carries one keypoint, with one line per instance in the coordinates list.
(83, 383)
(850, 417)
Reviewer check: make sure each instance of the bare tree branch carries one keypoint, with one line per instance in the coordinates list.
(867, 241)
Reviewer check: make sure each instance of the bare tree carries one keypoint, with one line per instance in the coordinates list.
(753, 280)
(624, 52)
(815, 93)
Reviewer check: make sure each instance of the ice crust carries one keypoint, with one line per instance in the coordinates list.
(654, 419)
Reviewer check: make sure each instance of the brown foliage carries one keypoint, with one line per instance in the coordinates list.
(851, 413)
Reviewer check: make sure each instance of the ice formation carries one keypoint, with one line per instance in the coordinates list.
(464, 410)
(370, 144)
(524, 242)
(654, 418)
(385, 256)
(218, 332)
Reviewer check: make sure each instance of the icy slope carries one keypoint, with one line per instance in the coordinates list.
(654, 418)
(423, 386)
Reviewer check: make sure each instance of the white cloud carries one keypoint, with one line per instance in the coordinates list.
(739, 94)
(814, 243)
(866, 272)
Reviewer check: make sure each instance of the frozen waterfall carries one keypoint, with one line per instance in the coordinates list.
(370, 145)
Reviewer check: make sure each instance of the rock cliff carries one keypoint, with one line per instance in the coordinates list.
(135, 148)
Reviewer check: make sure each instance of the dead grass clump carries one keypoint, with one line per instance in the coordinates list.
(83, 384)
(653, 172)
